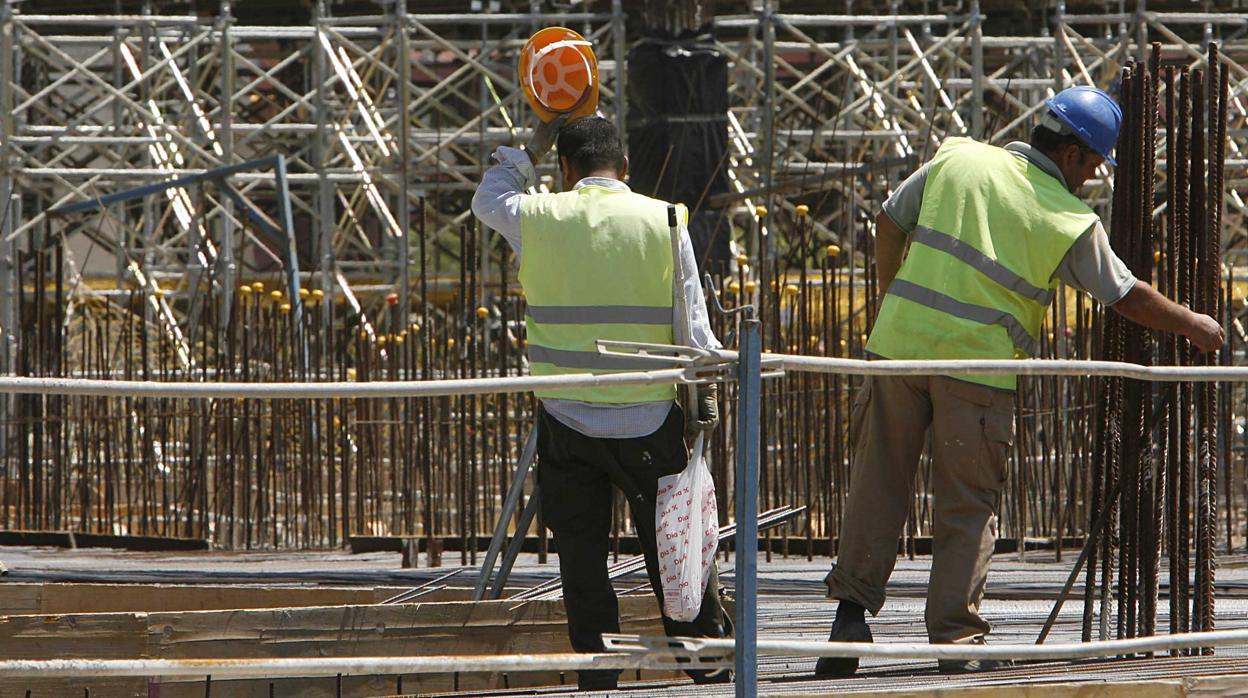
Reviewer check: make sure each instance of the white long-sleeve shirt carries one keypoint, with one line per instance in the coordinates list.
(497, 204)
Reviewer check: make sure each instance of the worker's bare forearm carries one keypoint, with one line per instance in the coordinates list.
(890, 249)
(1143, 305)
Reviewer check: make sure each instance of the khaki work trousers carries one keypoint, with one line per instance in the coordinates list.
(972, 427)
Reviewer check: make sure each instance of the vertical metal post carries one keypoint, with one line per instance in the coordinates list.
(894, 8)
(1059, 48)
(405, 125)
(324, 191)
(287, 220)
(8, 295)
(482, 233)
(1124, 33)
(749, 389)
(8, 287)
(226, 264)
(125, 228)
(149, 202)
(768, 105)
(1141, 31)
(618, 39)
(977, 71)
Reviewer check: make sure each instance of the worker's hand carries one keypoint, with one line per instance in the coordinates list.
(708, 409)
(544, 137)
(1205, 333)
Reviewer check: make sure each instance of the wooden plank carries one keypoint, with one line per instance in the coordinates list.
(153, 598)
(486, 627)
(489, 627)
(98, 635)
(57, 598)
(71, 539)
(20, 599)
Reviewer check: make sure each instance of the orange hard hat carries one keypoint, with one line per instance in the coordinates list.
(559, 74)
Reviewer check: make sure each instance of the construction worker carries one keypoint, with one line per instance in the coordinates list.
(596, 263)
(990, 232)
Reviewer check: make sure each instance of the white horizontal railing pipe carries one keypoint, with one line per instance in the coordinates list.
(666, 376)
(340, 389)
(907, 650)
(1020, 367)
(330, 666)
(640, 659)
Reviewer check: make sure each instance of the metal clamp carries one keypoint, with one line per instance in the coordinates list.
(682, 652)
(701, 365)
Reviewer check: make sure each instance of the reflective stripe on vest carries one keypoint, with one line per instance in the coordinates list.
(596, 264)
(586, 360)
(975, 313)
(982, 263)
(978, 275)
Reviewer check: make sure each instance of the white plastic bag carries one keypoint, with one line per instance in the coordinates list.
(686, 523)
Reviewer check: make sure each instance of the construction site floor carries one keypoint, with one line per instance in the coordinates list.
(792, 606)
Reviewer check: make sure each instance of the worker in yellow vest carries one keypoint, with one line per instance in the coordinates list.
(990, 231)
(596, 263)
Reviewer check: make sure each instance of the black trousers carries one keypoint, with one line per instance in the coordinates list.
(576, 473)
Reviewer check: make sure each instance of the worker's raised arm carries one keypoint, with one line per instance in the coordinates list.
(497, 200)
(1143, 305)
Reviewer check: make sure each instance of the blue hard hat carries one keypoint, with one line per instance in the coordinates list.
(1092, 115)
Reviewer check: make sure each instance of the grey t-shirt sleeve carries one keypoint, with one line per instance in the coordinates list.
(1091, 266)
(904, 203)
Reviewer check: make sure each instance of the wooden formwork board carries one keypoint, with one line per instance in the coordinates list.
(42, 599)
(419, 629)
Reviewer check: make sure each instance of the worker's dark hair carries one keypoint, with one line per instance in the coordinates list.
(591, 143)
(1050, 142)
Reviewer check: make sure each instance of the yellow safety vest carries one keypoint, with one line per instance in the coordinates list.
(596, 263)
(978, 276)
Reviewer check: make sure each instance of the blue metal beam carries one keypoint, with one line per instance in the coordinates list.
(217, 173)
(284, 230)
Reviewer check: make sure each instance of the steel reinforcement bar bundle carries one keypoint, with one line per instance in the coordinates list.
(1159, 445)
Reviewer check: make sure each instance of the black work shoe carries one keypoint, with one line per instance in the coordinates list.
(709, 676)
(843, 630)
(972, 666)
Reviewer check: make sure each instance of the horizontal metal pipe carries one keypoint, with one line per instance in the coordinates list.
(662, 376)
(1020, 367)
(340, 389)
(112, 20)
(1107, 18)
(1231, 18)
(915, 650)
(638, 657)
(506, 19)
(329, 666)
(742, 21)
